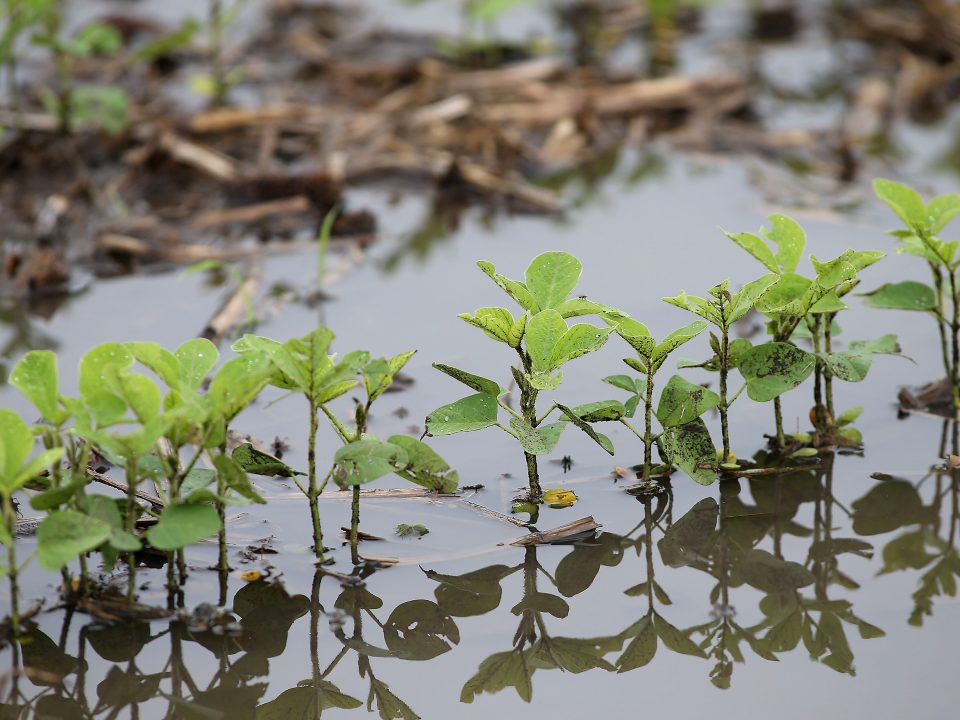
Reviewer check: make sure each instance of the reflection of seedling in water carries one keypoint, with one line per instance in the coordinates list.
(417, 531)
(544, 344)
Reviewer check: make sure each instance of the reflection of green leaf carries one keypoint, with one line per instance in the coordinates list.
(307, 700)
(887, 506)
(770, 574)
(419, 630)
(499, 671)
(473, 593)
(641, 649)
(577, 569)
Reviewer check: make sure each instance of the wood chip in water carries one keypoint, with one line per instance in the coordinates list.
(361, 535)
(576, 530)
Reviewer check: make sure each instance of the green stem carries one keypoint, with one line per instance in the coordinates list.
(815, 331)
(131, 473)
(724, 369)
(528, 407)
(312, 491)
(355, 525)
(222, 565)
(632, 429)
(546, 414)
(648, 428)
(941, 322)
(954, 341)
(827, 374)
(778, 419)
(10, 520)
(337, 425)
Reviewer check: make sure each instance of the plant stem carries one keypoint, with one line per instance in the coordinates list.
(778, 419)
(131, 473)
(941, 324)
(827, 374)
(10, 520)
(819, 420)
(312, 491)
(724, 406)
(222, 564)
(648, 428)
(355, 525)
(954, 342)
(528, 407)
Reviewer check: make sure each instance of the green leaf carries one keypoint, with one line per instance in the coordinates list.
(424, 466)
(904, 201)
(517, 290)
(551, 278)
(37, 464)
(696, 305)
(182, 525)
(634, 332)
(747, 297)
(367, 459)
(36, 377)
(16, 442)
(236, 478)
(578, 306)
(238, 382)
(790, 240)
(141, 394)
(600, 411)
(849, 416)
(907, 295)
(601, 440)
(543, 333)
(577, 341)
(774, 368)
(379, 374)
(941, 210)
(674, 340)
(65, 534)
(641, 649)
(756, 247)
(690, 448)
(681, 402)
(162, 362)
(258, 462)
(196, 358)
(474, 412)
(848, 366)
(474, 382)
(531, 439)
(628, 383)
(306, 700)
(844, 267)
(55, 497)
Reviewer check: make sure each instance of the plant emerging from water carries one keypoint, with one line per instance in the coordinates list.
(543, 343)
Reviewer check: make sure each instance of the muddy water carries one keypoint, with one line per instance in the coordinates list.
(858, 571)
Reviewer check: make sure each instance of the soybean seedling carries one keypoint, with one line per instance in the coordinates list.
(923, 223)
(17, 468)
(773, 368)
(722, 309)
(684, 440)
(543, 343)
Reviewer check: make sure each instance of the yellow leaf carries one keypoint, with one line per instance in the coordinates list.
(249, 575)
(559, 498)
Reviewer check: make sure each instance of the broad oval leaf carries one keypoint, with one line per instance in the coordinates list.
(904, 201)
(517, 290)
(674, 340)
(599, 438)
(551, 278)
(641, 649)
(773, 368)
(197, 358)
(65, 534)
(474, 412)
(367, 459)
(531, 439)
(907, 295)
(36, 377)
(681, 401)
(542, 336)
(579, 340)
(181, 525)
(600, 411)
(424, 466)
(690, 448)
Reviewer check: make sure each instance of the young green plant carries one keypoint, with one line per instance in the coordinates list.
(684, 440)
(923, 223)
(543, 343)
(722, 309)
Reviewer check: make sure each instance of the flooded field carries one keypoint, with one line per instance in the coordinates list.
(827, 588)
